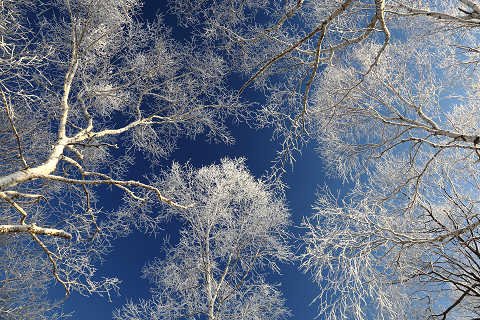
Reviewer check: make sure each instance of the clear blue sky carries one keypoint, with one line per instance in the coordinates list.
(131, 253)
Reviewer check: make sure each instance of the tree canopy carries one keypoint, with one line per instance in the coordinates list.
(234, 231)
(386, 91)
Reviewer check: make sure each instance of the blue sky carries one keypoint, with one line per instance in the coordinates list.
(131, 253)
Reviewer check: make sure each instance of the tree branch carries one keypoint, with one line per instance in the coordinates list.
(34, 229)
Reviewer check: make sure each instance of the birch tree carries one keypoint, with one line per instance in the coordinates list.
(282, 48)
(389, 90)
(233, 234)
(86, 90)
(403, 243)
(24, 284)
(406, 236)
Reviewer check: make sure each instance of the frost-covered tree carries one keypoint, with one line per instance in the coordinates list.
(406, 237)
(404, 243)
(86, 89)
(234, 232)
(283, 48)
(389, 89)
(24, 284)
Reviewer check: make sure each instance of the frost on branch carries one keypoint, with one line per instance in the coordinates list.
(234, 232)
(84, 87)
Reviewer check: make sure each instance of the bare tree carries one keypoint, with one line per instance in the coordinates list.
(234, 232)
(85, 89)
(24, 283)
(406, 239)
(404, 242)
(283, 48)
(389, 90)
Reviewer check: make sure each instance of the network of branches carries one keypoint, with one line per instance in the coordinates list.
(386, 90)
